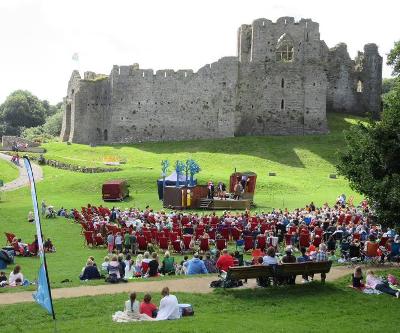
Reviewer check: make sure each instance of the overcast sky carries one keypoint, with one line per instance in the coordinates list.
(39, 37)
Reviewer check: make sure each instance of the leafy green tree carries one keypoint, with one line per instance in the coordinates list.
(388, 84)
(393, 58)
(371, 158)
(22, 109)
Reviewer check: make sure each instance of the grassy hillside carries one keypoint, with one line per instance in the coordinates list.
(8, 172)
(302, 164)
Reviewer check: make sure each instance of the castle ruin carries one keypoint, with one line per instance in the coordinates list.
(282, 82)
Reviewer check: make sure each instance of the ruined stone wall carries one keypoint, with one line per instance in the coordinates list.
(255, 93)
(172, 105)
(354, 86)
(275, 97)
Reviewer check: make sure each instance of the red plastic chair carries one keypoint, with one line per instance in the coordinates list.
(261, 243)
(211, 233)
(163, 241)
(225, 233)
(383, 241)
(98, 240)
(177, 246)
(288, 239)
(89, 238)
(173, 236)
(204, 245)
(248, 243)
(199, 232)
(10, 236)
(235, 234)
(304, 240)
(186, 241)
(356, 237)
(221, 244)
(142, 243)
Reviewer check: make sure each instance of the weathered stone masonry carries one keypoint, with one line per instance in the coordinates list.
(282, 82)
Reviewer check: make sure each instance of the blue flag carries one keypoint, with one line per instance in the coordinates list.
(43, 293)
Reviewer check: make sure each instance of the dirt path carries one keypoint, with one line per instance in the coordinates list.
(22, 180)
(196, 284)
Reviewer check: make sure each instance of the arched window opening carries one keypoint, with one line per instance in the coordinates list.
(359, 86)
(105, 135)
(284, 49)
(282, 104)
(283, 83)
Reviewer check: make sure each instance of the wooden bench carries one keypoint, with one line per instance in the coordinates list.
(281, 271)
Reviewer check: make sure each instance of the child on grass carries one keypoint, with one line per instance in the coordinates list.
(357, 278)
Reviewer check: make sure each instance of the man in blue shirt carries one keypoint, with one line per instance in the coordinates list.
(196, 266)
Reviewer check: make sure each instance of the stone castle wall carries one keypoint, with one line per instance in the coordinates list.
(254, 93)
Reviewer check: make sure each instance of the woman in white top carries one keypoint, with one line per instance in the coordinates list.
(269, 259)
(16, 278)
(169, 307)
(131, 311)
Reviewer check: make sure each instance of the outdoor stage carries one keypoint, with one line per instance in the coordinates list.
(228, 204)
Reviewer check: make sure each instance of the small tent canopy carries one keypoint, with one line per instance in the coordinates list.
(171, 181)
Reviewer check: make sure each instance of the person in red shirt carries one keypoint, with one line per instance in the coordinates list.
(147, 307)
(225, 261)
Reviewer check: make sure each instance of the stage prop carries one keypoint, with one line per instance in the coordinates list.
(248, 180)
(171, 181)
(184, 197)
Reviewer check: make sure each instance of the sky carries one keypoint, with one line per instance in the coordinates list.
(39, 37)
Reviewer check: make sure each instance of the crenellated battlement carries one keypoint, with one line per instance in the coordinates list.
(283, 81)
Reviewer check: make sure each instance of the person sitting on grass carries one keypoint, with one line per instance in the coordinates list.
(90, 272)
(196, 266)
(148, 308)
(321, 255)
(48, 246)
(357, 278)
(169, 307)
(168, 265)
(225, 261)
(16, 277)
(374, 282)
(153, 266)
(131, 311)
(104, 265)
(113, 270)
(121, 265)
(210, 264)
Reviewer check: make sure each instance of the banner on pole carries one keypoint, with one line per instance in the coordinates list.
(43, 293)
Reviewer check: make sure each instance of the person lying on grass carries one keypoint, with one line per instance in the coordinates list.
(374, 282)
(131, 311)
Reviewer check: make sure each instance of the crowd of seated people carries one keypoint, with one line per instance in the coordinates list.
(350, 233)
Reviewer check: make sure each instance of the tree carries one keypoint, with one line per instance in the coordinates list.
(371, 157)
(393, 58)
(22, 109)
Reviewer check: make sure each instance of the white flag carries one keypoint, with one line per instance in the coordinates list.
(75, 57)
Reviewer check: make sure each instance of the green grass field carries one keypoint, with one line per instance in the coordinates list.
(8, 172)
(302, 308)
(302, 164)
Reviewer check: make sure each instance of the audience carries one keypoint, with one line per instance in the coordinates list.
(148, 308)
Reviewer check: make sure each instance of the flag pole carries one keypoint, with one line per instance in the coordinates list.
(42, 254)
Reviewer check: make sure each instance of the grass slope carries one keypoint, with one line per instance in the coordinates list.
(302, 308)
(302, 165)
(8, 172)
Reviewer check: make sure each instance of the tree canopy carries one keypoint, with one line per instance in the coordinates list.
(371, 158)
(22, 113)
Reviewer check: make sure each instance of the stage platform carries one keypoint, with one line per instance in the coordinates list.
(228, 204)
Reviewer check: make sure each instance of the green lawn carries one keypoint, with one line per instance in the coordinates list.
(302, 308)
(8, 172)
(302, 164)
